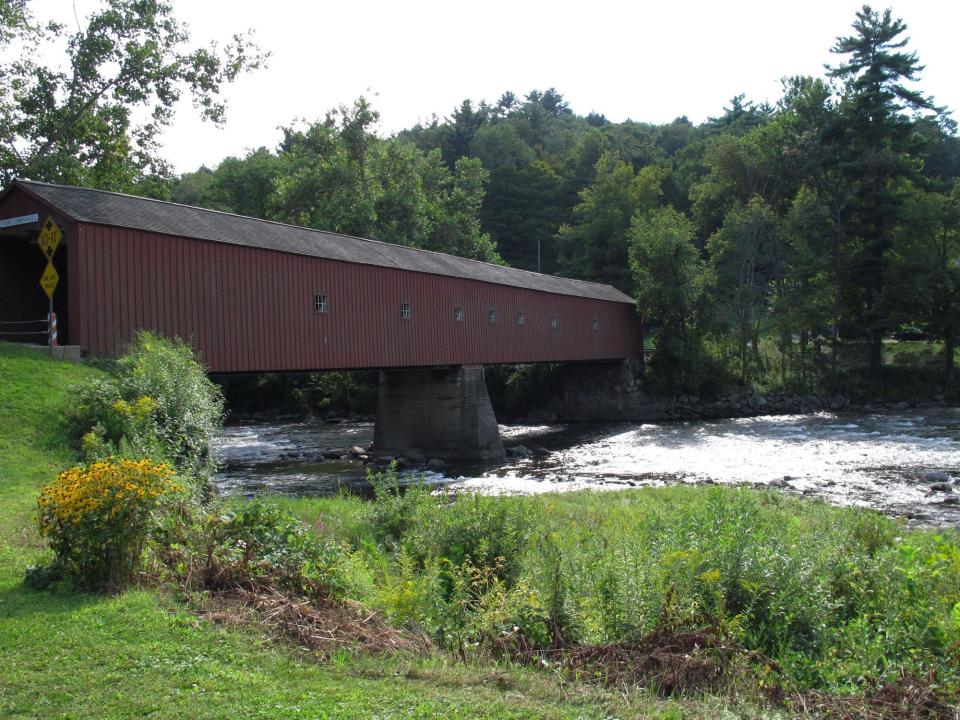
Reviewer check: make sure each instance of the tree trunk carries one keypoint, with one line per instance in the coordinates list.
(804, 339)
(876, 358)
(786, 345)
(835, 333)
(948, 350)
(643, 346)
(756, 343)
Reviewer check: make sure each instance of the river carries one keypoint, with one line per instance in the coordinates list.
(904, 463)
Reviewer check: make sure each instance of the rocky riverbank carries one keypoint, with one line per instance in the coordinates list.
(616, 393)
(749, 403)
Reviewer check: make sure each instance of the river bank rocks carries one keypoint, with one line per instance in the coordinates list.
(632, 405)
(616, 392)
(749, 403)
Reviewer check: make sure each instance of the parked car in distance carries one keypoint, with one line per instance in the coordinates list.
(910, 332)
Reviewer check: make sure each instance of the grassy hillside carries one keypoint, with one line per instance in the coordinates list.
(142, 654)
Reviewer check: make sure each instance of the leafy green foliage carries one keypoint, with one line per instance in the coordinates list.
(672, 282)
(838, 597)
(335, 392)
(745, 251)
(157, 400)
(881, 142)
(595, 247)
(395, 509)
(78, 126)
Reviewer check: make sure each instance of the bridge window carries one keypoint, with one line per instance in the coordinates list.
(596, 324)
(519, 318)
(492, 316)
(554, 322)
(458, 314)
(405, 311)
(320, 304)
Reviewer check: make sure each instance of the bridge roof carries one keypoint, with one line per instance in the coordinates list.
(115, 209)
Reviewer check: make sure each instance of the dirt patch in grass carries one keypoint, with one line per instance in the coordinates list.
(906, 698)
(694, 662)
(668, 660)
(319, 625)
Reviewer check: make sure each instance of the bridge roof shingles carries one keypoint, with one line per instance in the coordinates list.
(115, 209)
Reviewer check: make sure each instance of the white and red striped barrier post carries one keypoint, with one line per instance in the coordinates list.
(53, 330)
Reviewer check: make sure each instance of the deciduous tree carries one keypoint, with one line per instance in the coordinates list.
(96, 122)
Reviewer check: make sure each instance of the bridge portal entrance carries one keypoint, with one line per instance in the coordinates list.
(24, 305)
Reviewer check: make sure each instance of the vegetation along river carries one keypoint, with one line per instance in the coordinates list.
(905, 463)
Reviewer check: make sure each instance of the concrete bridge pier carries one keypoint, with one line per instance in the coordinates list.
(440, 413)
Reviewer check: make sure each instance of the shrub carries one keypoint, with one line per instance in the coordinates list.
(395, 510)
(207, 546)
(157, 402)
(97, 519)
(485, 532)
(262, 538)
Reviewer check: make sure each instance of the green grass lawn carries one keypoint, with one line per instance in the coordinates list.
(142, 654)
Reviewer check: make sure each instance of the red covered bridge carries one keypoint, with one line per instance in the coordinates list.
(257, 296)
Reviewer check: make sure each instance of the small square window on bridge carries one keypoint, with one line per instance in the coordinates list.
(405, 311)
(519, 318)
(320, 304)
(492, 316)
(458, 314)
(554, 322)
(596, 324)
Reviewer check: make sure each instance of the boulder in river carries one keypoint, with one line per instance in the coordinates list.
(936, 477)
(436, 465)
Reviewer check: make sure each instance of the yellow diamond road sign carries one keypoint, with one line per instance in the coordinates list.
(49, 280)
(49, 238)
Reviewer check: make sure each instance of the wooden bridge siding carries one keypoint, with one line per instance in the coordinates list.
(250, 309)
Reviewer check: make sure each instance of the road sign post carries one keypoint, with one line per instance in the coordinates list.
(48, 241)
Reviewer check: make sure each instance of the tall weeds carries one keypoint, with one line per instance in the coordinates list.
(835, 596)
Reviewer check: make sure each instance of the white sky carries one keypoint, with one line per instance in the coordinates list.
(646, 60)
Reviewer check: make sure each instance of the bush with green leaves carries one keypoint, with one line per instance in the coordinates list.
(396, 510)
(211, 546)
(477, 530)
(157, 402)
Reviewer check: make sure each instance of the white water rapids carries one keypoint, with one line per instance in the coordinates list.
(904, 463)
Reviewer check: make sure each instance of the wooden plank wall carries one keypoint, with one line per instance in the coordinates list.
(252, 310)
